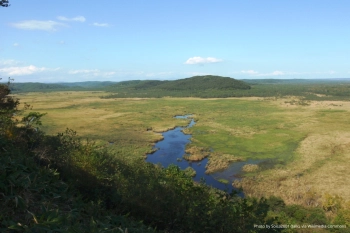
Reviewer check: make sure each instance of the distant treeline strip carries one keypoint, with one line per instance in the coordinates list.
(208, 86)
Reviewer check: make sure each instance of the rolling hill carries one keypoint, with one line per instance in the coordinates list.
(199, 83)
(197, 86)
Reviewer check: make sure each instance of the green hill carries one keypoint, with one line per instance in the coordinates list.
(200, 83)
(150, 84)
(41, 87)
(198, 86)
(208, 82)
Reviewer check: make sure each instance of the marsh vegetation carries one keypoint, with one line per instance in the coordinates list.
(302, 143)
(232, 129)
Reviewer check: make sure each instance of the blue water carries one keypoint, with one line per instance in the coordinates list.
(172, 148)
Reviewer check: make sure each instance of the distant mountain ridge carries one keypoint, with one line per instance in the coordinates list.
(62, 86)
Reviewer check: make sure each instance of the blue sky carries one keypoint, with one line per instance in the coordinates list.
(68, 41)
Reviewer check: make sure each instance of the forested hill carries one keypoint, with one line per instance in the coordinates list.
(196, 86)
(208, 82)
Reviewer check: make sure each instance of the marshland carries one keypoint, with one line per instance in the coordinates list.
(287, 152)
(301, 147)
(173, 160)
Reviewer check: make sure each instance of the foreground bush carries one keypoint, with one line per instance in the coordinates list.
(33, 196)
(35, 199)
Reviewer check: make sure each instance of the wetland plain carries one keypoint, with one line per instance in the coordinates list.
(303, 149)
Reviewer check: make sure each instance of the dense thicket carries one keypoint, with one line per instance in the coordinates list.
(33, 195)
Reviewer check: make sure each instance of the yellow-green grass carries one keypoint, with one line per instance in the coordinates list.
(321, 161)
(308, 146)
(223, 181)
(195, 153)
(219, 161)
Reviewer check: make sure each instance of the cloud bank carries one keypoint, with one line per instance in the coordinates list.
(202, 60)
(9, 62)
(48, 25)
(24, 70)
(12, 67)
(250, 72)
(78, 18)
(94, 72)
(256, 73)
(101, 24)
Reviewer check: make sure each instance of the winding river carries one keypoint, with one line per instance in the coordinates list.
(172, 148)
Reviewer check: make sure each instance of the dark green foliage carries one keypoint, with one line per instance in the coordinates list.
(150, 84)
(299, 214)
(8, 106)
(35, 199)
(4, 3)
(276, 204)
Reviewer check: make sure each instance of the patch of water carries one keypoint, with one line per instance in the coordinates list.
(171, 151)
(183, 116)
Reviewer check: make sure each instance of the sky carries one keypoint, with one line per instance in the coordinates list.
(73, 41)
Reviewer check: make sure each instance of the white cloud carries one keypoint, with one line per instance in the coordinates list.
(9, 62)
(250, 72)
(101, 24)
(24, 70)
(38, 25)
(61, 42)
(274, 73)
(94, 72)
(15, 45)
(202, 60)
(78, 18)
(83, 71)
(12, 67)
(256, 73)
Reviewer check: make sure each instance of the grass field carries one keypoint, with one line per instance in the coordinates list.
(306, 145)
